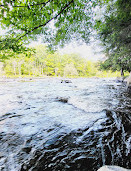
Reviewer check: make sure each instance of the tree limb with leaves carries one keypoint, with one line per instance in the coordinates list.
(56, 21)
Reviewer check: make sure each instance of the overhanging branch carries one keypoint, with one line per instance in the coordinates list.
(65, 7)
(30, 5)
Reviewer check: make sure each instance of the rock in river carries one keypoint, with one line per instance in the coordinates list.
(113, 168)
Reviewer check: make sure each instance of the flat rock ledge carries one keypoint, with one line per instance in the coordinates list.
(113, 168)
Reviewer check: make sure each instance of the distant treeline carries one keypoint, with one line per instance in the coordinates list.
(44, 63)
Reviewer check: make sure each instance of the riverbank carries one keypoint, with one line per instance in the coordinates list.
(62, 79)
(99, 74)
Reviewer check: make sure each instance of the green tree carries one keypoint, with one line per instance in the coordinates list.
(70, 70)
(114, 30)
(41, 62)
(59, 21)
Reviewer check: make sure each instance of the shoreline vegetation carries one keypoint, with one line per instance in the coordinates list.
(98, 74)
(40, 63)
(25, 78)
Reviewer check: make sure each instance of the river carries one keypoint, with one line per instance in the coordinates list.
(46, 125)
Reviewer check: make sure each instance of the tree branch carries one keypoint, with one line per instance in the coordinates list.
(66, 6)
(43, 3)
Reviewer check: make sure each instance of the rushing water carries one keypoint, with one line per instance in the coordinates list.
(54, 126)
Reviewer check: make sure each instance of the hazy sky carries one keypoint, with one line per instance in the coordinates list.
(91, 52)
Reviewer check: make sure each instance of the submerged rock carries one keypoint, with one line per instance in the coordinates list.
(113, 168)
(119, 79)
(62, 99)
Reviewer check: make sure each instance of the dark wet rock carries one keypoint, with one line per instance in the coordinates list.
(62, 99)
(27, 108)
(9, 115)
(66, 81)
(129, 89)
(109, 114)
(26, 149)
(19, 97)
(119, 79)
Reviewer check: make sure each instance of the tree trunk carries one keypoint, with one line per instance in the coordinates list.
(122, 72)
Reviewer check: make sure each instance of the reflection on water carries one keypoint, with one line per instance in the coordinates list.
(39, 130)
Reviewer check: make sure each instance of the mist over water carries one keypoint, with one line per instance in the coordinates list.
(49, 125)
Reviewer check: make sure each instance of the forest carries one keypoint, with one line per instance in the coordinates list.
(58, 23)
(40, 63)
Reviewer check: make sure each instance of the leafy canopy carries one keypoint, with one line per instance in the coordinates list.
(114, 30)
(58, 21)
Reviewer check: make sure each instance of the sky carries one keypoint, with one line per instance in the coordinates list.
(91, 52)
